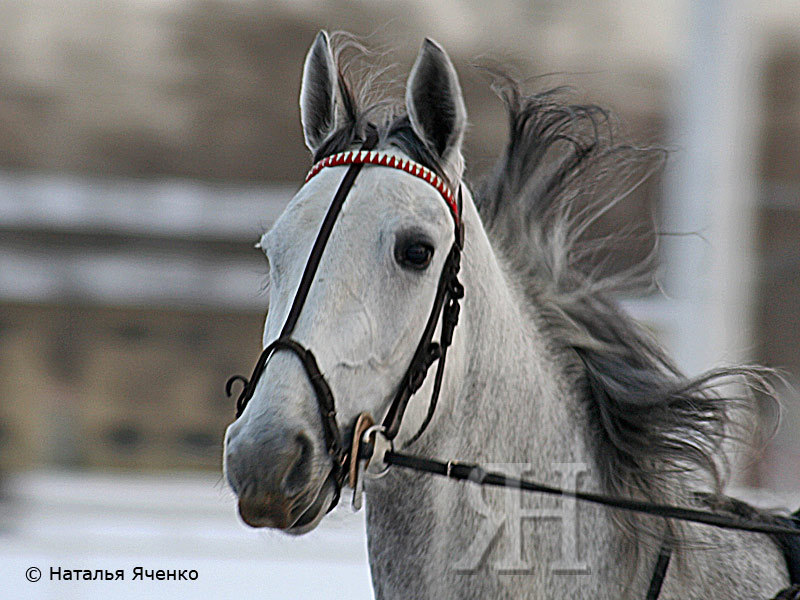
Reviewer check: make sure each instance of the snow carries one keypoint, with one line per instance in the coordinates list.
(183, 521)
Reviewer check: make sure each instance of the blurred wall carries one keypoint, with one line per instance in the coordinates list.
(146, 144)
(208, 88)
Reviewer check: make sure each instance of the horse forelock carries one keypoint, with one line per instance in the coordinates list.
(365, 102)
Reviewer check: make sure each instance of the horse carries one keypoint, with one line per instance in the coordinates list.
(545, 373)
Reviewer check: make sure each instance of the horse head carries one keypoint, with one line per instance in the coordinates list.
(368, 301)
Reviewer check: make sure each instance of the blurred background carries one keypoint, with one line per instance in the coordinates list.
(146, 144)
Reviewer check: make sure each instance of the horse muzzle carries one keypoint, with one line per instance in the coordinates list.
(279, 480)
(296, 516)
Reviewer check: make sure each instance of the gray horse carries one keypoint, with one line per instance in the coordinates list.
(545, 377)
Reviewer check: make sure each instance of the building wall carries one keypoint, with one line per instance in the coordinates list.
(102, 387)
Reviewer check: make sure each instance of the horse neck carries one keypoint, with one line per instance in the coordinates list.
(507, 404)
(510, 398)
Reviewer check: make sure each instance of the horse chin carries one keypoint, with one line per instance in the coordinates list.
(312, 516)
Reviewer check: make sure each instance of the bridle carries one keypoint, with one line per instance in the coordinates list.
(445, 306)
(371, 449)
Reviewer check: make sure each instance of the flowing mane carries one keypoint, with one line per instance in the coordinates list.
(650, 424)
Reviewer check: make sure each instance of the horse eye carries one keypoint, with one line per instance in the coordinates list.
(415, 255)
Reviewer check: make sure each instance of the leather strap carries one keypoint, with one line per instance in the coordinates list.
(427, 351)
(472, 472)
(321, 388)
(324, 234)
(327, 409)
(660, 572)
(450, 312)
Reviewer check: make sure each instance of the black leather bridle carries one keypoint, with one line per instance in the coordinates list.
(445, 306)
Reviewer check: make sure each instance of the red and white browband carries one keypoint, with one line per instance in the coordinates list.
(384, 159)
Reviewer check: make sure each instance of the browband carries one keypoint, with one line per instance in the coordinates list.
(385, 159)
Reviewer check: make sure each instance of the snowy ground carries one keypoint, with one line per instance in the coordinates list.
(178, 521)
(110, 522)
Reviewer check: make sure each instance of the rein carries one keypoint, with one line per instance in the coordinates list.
(471, 472)
(371, 452)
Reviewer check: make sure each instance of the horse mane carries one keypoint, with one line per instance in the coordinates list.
(650, 425)
(562, 170)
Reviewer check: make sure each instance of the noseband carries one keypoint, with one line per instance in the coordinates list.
(448, 293)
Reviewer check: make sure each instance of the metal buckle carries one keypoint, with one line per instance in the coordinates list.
(357, 464)
(373, 466)
(376, 466)
(363, 423)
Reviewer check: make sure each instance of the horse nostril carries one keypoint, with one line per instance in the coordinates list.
(298, 474)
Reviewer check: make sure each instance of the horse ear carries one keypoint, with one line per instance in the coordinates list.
(436, 107)
(318, 97)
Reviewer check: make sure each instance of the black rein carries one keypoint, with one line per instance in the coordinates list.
(471, 472)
